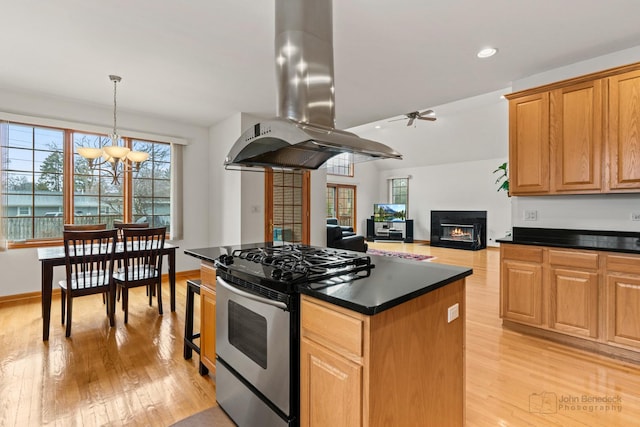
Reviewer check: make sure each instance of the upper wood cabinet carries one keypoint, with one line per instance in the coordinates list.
(624, 131)
(577, 136)
(529, 144)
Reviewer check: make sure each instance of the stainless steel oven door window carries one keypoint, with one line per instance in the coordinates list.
(252, 336)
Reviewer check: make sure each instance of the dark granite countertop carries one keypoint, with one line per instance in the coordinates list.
(392, 281)
(613, 241)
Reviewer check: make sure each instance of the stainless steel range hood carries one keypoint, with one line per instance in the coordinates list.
(303, 136)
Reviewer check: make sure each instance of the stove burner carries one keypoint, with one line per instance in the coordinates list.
(301, 262)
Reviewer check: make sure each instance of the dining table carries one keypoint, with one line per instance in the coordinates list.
(53, 256)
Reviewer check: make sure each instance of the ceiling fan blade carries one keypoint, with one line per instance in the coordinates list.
(426, 112)
(410, 122)
(431, 119)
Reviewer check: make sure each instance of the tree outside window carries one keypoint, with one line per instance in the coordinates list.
(38, 199)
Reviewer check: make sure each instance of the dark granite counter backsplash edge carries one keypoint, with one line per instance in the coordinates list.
(614, 241)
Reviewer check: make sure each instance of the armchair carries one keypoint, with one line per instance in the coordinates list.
(339, 239)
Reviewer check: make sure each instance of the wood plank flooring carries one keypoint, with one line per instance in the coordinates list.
(135, 374)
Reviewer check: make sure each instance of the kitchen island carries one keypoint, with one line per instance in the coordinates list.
(383, 347)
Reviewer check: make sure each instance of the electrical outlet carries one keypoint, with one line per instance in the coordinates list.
(453, 312)
(635, 216)
(530, 215)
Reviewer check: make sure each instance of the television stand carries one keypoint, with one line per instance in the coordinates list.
(392, 231)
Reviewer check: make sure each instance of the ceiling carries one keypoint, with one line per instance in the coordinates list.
(200, 61)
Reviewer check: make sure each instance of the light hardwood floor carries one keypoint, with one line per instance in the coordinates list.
(135, 374)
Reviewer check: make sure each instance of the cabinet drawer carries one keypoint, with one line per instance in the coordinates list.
(333, 327)
(573, 259)
(208, 275)
(521, 252)
(623, 263)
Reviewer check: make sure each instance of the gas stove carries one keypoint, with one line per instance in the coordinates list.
(281, 268)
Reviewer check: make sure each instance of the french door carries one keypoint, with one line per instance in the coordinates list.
(287, 206)
(341, 204)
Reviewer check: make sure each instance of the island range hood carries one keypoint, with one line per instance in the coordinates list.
(303, 135)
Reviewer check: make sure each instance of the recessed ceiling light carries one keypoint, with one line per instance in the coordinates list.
(487, 52)
(377, 126)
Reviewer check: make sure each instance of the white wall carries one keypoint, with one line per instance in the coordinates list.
(584, 212)
(456, 186)
(470, 139)
(236, 199)
(318, 202)
(20, 267)
(589, 212)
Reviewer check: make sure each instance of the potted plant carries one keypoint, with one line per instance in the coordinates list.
(503, 177)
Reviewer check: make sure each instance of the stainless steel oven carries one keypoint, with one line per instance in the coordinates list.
(257, 325)
(253, 365)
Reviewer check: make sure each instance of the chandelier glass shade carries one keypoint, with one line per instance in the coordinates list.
(120, 158)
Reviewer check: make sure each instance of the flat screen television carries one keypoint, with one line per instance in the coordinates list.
(387, 212)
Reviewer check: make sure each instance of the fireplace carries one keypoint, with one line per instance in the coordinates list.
(459, 229)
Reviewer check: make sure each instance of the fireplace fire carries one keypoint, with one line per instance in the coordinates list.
(459, 229)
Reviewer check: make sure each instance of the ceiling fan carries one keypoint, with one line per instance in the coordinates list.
(418, 115)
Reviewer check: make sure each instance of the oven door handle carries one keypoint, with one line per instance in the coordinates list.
(250, 296)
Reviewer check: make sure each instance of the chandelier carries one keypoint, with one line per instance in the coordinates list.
(119, 157)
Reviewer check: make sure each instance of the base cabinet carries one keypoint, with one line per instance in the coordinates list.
(521, 284)
(573, 301)
(383, 370)
(337, 378)
(208, 316)
(623, 300)
(586, 298)
(574, 286)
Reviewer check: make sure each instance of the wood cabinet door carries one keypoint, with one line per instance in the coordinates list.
(521, 292)
(330, 388)
(529, 144)
(624, 131)
(576, 138)
(573, 304)
(623, 308)
(208, 328)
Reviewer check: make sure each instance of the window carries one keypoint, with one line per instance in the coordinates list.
(341, 204)
(46, 184)
(399, 191)
(342, 165)
(152, 185)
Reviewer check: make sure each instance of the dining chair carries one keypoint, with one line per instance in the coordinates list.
(119, 225)
(89, 257)
(84, 227)
(142, 264)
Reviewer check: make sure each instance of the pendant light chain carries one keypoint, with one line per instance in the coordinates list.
(115, 80)
(115, 104)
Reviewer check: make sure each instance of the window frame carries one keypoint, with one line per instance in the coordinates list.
(336, 201)
(341, 165)
(68, 175)
(393, 187)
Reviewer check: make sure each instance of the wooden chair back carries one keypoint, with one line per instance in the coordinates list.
(118, 225)
(143, 253)
(89, 259)
(84, 227)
